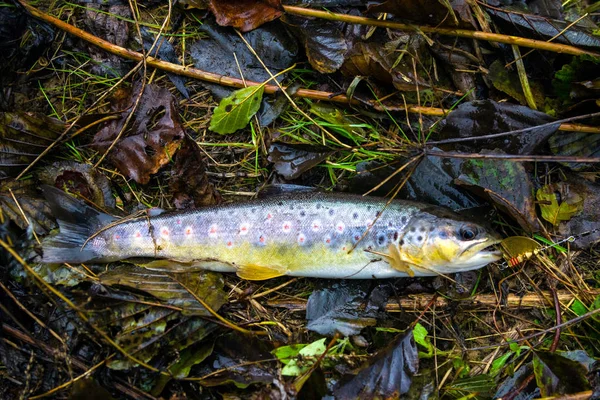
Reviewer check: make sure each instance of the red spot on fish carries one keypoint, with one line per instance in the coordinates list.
(344, 248)
(117, 236)
(229, 244)
(327, 240)
(212, 231)
(287, 226)
(188, 231)
(165, 232)
(244, 228)
(138, 235)
(261, 239)
(269, 216)
(301, 238)
(316, 225)
(178, 222)
(340, 227)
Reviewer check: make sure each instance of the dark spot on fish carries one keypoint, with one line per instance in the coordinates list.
(401, 242)
(356, 237)
(403, 219)
(253, 211)
(331, 212)
(422, 229)
(443, 235)
(431, 228)
(390, 224)
(369, 208)
(355, 215)
(318, 206)
(395, 236)
(280, 203)
(381, 240)
(413, 229)
(302, 213)
(291, 207)
(377, 214)
(419, 238)
(370, 248)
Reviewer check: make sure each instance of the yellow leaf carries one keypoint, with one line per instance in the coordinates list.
(554, 212)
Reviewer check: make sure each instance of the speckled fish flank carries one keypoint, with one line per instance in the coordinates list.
(308, 234)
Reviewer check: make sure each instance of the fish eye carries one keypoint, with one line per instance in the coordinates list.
(468, 232)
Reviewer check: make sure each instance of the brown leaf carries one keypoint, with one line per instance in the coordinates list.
(154, 135)
(29, 208)
(245, 14)
(189, 183)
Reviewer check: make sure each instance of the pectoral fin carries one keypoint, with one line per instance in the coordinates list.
(253, 272)
(396, 261)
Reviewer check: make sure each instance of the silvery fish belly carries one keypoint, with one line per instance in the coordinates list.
(307, 234)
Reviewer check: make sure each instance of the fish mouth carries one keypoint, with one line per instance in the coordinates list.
(485, 249)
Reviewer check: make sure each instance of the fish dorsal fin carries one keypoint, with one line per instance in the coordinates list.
(253, 272)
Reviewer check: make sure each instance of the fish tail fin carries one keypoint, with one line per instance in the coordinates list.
(77, 222)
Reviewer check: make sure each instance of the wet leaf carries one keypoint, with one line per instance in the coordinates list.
(576, 144)
(554, 212)
(506, 184)
(153, 136)
(291, 161)
(344, 308)
(485, 117)
(538, 27)
(234, 112)
(455, 13)
(323, 42)
(387, 375)
(23, 136)
(508, 81)
(171, 289)
(82, 180)
(421, 337)
(245, 14)
(36, 211)
(273, 44)
(479, 385)
(585, 224)
(555, 374)
(164, 50)
(189, 183)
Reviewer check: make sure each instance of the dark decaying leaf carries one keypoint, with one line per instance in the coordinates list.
(431, 182)
(23, 136)
(556, 374)
(507, 80)
(291, 161)
(164, 50)
(387, 376)
(344, 307)
(240, 360)
(441, 12)
(382, 63)
(173, 289)
(323, 42)
(85, 182)
(537, 27)
(485, 117)
(154, 134)
(245, 14)
(506, 183)
(37, 212)
(478, 386)
(274, 45)
(586, 223)
(189, 183)
(576, 144)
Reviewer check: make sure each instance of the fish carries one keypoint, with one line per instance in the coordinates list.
(307, 234)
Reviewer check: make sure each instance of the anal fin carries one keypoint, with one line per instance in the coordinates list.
(253, 272)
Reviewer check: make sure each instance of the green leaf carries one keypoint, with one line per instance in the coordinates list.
(234, 111)
(578, 308)
(554, 212)
(307, 355)
(499, 363)
(421, 337)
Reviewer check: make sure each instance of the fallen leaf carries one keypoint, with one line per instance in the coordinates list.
(387, 375)
(323, 42)
(23, 136)
(344, 307)
(245, 15)
(584, 226)
(29, 208)
(291, 161)
(505, 183)
(189, 183)
(564, 203)
(441, 12)
(507, 81)
(154, 134)
(234, 112)
(575, 144)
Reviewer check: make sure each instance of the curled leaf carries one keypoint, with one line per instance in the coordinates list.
(558, 203)
(245, 14)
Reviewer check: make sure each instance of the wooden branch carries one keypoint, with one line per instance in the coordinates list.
(419, 302)
(195, 73)
(465, 33)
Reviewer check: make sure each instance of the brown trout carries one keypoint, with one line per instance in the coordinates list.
(303, 234)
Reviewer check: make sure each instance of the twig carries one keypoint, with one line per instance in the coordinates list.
(492, 37)
(511, 157)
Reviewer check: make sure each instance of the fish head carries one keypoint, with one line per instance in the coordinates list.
(447, 243)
